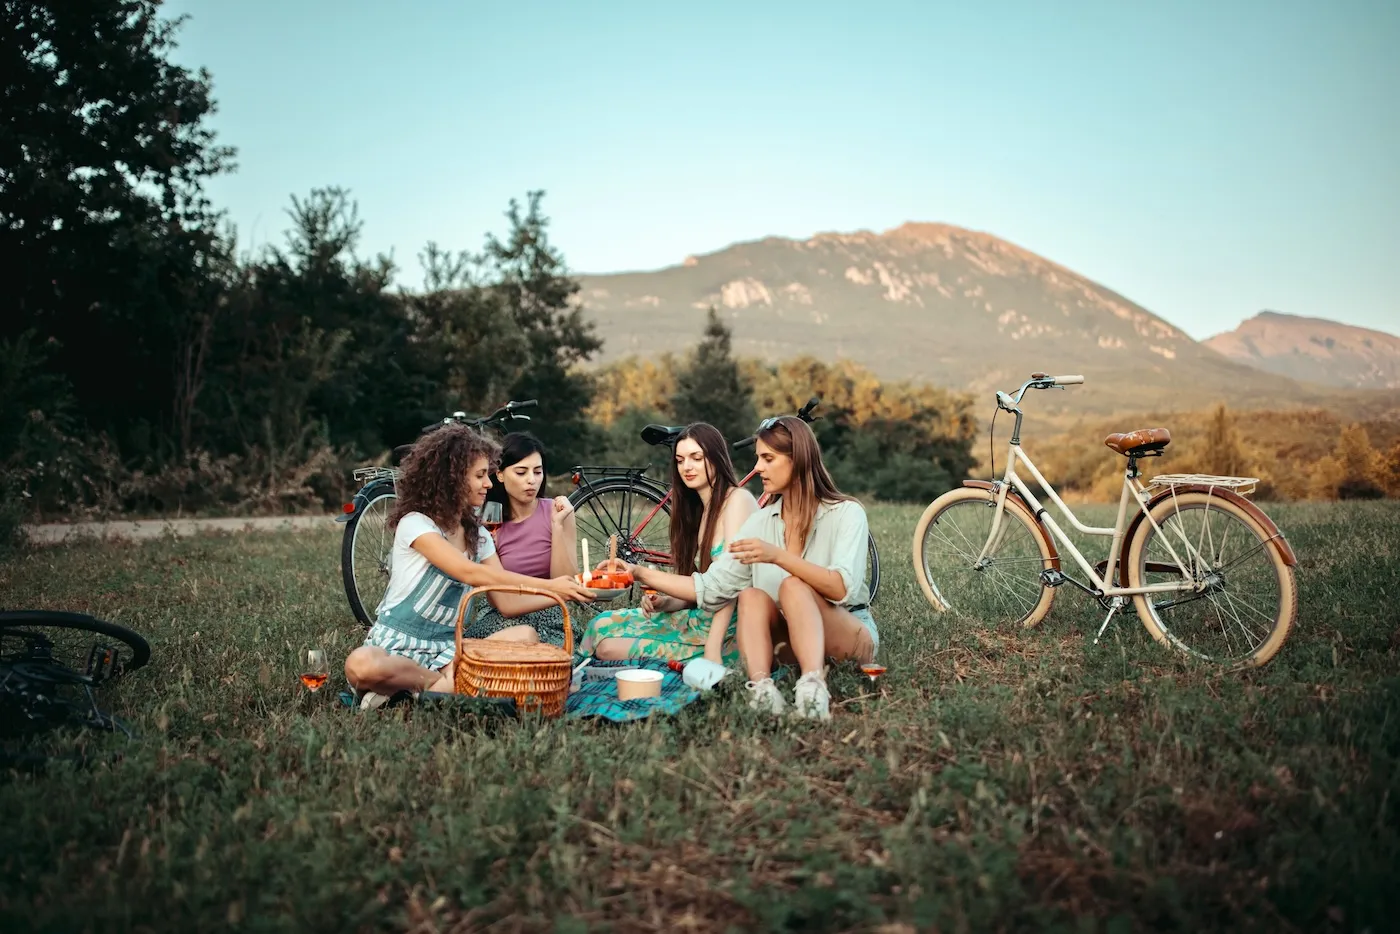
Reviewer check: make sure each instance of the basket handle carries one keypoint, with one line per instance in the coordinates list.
(471, 594)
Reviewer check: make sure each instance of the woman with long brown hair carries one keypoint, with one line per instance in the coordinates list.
(440, 549)
(797, 568)
(709, 507)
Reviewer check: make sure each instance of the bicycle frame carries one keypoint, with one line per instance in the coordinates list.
(1132, 489)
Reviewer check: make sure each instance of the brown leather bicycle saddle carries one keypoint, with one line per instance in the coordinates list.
(1140, 442)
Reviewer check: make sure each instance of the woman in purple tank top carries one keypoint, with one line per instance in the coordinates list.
(537, 537)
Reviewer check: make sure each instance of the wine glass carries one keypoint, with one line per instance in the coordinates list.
(492, 516)
(872, 670)
(314, 670)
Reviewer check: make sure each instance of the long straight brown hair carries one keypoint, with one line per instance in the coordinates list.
(811, 483)
(687, 554)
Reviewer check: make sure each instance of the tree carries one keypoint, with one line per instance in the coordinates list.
(1360, 465)
(112, 248)
(1223, 452)
(1390, 471)
(711, 388)
(527, 276)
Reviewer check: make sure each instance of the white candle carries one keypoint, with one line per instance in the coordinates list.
(587, 568)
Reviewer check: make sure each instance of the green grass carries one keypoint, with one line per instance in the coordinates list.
(1032, 781)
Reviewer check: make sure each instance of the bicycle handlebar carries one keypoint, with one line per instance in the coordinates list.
(505, 413)
(1037, 381)
(804, 413)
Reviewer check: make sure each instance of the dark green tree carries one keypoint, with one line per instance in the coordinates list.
(711, 388)
(528, 277)
(111, 247)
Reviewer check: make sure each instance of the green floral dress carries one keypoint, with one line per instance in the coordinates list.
(676, 636)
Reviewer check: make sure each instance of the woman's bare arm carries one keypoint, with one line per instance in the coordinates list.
(458, 566)
(563, 537)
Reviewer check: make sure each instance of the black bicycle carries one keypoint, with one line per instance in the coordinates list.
(625, 502)
(51, 663)
(367, 546)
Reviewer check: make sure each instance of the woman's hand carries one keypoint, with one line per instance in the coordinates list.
(569, 589)
(653, 603)
(563, 510)
(754, 551)
(616, 565)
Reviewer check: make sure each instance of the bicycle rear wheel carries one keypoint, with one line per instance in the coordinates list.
(636, 512)
(366, 551)
(82, 643)
(1247, 599)
(1002, 590)
(872, 567)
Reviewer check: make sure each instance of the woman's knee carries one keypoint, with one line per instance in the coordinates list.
(794, 589)
(520, 633)
(362, 664)
(613, 650)
(755, 608)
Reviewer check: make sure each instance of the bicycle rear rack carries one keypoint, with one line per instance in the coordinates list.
(368, 474)
(1241, 485)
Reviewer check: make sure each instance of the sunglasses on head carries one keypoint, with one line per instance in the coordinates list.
(767, 423)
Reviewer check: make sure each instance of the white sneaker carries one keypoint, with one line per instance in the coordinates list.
(810, 698)
(372, 701)
(765, 696)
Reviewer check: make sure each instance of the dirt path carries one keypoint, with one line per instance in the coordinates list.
(137, 530)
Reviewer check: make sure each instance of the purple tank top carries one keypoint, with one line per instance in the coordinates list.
(525, 546)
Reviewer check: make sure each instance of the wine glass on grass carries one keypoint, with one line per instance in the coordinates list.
(872, 670)
(314, 670)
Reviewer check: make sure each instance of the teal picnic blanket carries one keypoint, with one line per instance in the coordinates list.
(597, 694)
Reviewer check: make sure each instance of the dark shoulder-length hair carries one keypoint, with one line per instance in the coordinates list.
(515, 447)
(811, 483)
(688, 554)
(433, 479)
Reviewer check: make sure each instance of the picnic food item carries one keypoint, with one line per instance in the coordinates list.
(536, 675)
(633, 683)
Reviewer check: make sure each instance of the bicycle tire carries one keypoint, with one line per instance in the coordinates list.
(872, 564)
(1154, 609)
(961, 502)
(349, 542)
(583, 496)
(12, 620)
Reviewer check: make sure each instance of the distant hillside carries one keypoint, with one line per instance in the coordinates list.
(929, 301)
(1314, 349)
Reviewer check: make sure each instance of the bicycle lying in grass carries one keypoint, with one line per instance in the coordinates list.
(367, 545)
(50, 665)
(625, 502)
(1208, 572)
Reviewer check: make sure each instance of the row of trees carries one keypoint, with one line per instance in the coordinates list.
(145, 365)
(896, 441)
(1297, 455)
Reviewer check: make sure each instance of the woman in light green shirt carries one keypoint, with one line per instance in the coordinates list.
(797, 567)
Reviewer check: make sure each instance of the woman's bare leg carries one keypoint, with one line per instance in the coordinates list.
(370, 668)
(802, 611)
(758, 614)
(521, 633)
(837, 634)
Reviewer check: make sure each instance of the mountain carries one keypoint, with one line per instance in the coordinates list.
(934, 302)
(1315, 350)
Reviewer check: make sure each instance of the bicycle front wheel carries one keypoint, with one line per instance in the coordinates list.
(1243, 598)
(366, 550)
(1004, 588)
(637, 513)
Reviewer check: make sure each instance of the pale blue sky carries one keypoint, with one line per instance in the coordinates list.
(1205, 159)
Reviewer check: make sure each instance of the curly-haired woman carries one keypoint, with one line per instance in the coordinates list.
(439, 545)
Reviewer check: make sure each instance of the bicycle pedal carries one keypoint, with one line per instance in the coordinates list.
(1050, 577)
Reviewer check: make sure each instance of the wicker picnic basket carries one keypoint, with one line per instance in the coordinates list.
(537, 675)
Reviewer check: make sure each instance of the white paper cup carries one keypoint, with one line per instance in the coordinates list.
(638, 682)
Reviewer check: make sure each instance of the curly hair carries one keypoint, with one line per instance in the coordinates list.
(433, 479)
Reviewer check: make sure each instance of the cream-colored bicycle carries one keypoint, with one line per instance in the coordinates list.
(1209, 573)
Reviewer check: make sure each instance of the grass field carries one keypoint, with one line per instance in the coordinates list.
(1032, 781)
